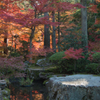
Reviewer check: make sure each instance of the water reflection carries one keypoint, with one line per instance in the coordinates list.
(36, 92)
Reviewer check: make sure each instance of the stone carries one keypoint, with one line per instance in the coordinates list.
(3, 84)
(74, 87)
(43, 62)
(27, 64)
(0, 94)
(44, 75)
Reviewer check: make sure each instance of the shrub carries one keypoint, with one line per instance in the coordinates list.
(73, 54)
(64, 65)
(14, 54)
(41, 52)
(96, 57)
(57, 57)
(13, 66)
(26, 81)
(92, 68)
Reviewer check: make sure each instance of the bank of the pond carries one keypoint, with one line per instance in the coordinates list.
(36, 92)
(74, 87)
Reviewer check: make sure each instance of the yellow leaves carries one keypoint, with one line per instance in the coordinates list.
(2, 4)
(98, 1)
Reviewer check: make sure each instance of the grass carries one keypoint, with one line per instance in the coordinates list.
(51, 67)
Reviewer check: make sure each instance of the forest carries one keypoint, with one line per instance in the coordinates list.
(65, 32)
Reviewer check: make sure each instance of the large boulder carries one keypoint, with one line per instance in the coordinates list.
(74, 87)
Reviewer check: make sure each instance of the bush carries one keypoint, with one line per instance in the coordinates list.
(14, 54)
(63, 65)
(81, 63)
(92, 68)
(96, 57)
(26, 82)
(57, 57)
(12, 66)
(66, 67)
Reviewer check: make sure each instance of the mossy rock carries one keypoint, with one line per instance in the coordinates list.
(57, 57)
(93, 68)
(6, 91)
(96, 57)
(5, 98)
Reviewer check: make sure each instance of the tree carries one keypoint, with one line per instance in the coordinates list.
(53, 33)
(84, 26)
(46, 33)
(31, 18)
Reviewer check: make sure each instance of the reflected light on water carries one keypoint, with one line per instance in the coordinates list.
(36, 92)
(26, 97)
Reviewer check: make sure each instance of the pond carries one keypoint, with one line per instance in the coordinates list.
(36, 92)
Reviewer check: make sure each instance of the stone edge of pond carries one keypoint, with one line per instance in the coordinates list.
(4, 94)
(74, 87)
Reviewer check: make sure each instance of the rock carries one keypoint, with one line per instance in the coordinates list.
(27, 64)
(3, 84)
(43, 62)
(0, 94)
(6, 92)
(74, 87)
(45, 76)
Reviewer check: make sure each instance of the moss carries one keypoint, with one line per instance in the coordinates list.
(28, 81)
(7, 81)
(5, 98)
(6, 91)
(57, 57)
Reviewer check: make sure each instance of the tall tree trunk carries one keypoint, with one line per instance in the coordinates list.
(84, 26)
(58, 32)
(46, 33)
(53, 34)
(31, 37)
(5, 47)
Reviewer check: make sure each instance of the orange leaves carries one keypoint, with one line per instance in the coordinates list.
(93, 8)
(24, 37)
(98, 1)
(2, 4)
(97, 21)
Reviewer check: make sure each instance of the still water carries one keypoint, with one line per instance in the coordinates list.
(36, 92)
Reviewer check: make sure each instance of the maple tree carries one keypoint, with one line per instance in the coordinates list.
(18, 17)
(73, 54)
(32, 17)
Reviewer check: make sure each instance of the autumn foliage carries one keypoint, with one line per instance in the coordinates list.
(73, 54)
(20, 25)
(11, 67)
(42, 52)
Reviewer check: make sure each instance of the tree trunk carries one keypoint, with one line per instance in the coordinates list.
(84, 26)
(46, 34)
(58, 32)
(31, 37)
(5, 47)
(53, 34)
